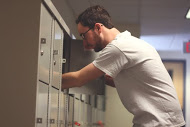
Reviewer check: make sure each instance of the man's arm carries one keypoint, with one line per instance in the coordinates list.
(79, 78)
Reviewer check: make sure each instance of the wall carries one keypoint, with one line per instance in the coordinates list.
(178, 55)
(20, 21)
(116, 114)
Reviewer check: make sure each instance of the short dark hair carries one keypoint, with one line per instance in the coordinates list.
(95, 14)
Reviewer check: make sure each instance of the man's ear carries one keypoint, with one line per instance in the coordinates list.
(98, 27)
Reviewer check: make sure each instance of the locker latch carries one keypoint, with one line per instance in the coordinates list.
(43, 40)
(52, 121)
(39, 120)
(63, 60)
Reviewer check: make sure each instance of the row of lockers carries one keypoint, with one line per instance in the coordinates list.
(50, 46)
(54, 107)
(58, 109)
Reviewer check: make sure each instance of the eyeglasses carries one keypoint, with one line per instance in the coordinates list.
(83, 34)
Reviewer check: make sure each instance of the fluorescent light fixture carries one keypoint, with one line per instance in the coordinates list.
(188, 14)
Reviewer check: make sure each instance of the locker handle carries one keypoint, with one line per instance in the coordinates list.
(42, 52)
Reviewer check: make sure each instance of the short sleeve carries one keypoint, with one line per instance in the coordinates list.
(111, 60)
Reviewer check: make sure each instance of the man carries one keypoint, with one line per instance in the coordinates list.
(132, 66)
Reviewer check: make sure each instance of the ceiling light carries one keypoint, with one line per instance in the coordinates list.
(188, 14)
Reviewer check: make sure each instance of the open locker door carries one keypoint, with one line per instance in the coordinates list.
(79, 58)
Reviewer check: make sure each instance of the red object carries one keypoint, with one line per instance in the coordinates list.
(100, 123)
(76, 123)
(188, 47)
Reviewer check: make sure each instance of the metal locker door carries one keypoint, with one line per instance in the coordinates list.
(62, 111)
(94, 117)
(76, 112)
(54, 107)
(82, 114)
(46, 27)
(79, 58)
(70, 111)
(57, 55)
(85, 115)
(100, 101)
(86, 99)
(42, 105)
(89, 115)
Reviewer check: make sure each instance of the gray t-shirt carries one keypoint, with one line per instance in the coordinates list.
(143, 84)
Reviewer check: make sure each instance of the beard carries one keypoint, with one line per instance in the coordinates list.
(98, 40)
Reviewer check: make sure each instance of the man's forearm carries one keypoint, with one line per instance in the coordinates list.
(70, 80)
(81, 77)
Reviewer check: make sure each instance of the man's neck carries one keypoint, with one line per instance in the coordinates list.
(110, 35)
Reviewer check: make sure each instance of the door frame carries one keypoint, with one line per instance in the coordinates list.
(184, 81)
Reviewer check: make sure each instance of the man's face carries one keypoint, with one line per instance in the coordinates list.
(91, 38)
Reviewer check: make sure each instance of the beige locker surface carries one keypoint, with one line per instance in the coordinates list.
(42, 105)
(57, 55)
(54, 93)
(46, 25)
(77, 112)
(70, 111)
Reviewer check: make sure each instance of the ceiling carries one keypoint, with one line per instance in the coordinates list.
(162, 22)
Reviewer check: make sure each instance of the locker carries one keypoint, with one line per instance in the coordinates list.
(89, 115)
(93, 100)
(62, 110)
(46, 27)
(100, 101)
(99, 116)
(85, 115)
(77, 112)
(53, 107)
(70, 111)
(85, 98)
(94, 117)
(42, 105)
(79, 58)
(57, 55)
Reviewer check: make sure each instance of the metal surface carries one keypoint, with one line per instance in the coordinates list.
(46, 24)
(54, 93)
(57, 55)
(77, 112)
(42, 105)
(62, 109)
(89, 115)
(70, 111)
(100, 102)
